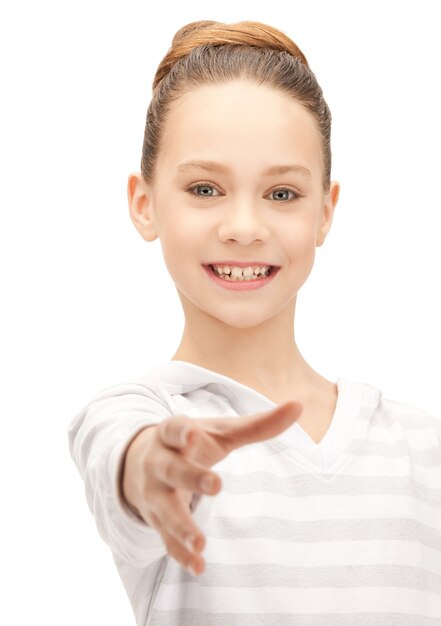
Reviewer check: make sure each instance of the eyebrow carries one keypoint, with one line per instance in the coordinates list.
(213, 166)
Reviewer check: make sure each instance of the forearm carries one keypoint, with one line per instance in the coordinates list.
(98, 438)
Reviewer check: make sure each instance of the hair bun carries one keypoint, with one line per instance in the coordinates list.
(211, 33)
(186, 30)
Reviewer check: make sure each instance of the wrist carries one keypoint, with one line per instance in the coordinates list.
(128, 470)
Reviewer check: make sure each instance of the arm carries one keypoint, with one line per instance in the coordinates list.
(168, 464)
(158, 469)
(99, 435)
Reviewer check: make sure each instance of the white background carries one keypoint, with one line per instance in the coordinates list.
(87, 303)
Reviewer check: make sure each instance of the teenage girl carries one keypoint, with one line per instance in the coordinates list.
(234, 484)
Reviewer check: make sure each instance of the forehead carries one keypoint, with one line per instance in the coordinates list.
(239, 121)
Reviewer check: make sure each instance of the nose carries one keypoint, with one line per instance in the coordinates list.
(242, 221)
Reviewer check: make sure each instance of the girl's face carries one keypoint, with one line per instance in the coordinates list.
(232, 207)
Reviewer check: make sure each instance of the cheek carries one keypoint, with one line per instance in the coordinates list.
(299, 240)
(182, 242)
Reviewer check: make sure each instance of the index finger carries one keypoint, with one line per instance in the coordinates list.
(234, 432)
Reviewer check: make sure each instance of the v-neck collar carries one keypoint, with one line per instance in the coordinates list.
(356, 403)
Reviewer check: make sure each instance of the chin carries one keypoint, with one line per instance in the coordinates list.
(239, 320)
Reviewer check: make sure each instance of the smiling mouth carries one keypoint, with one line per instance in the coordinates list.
(239, 274)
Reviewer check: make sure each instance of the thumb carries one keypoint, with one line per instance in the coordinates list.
(238, 431)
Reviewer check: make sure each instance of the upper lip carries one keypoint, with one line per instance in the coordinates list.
(243, 263)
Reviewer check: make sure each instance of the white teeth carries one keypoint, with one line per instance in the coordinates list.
(236, 272)
(247, 271)
(241, 273)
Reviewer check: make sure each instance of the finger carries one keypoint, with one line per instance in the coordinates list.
(175, 518)
(192, 562)
(174, 431)
(238, 431)
(180, 472)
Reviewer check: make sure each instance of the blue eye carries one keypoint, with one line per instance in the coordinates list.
(282, 194)
(207, 190)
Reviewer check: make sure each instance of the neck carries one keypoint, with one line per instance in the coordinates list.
(264, 357)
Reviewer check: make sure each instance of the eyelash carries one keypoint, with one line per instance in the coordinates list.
(204, 184)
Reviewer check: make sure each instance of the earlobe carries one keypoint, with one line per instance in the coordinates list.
(140, 207)
(330, 203)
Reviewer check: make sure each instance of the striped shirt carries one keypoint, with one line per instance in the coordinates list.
(346, 532)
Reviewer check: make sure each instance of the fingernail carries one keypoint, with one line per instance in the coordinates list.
(183, 436)
(189, 541)
(207, 483)
(192, 570)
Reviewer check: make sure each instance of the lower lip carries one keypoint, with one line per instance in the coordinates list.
(240, 285)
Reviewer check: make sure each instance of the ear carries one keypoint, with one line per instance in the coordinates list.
(329, 204)
(140, 206)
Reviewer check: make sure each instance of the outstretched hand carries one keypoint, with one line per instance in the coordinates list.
(167, 463)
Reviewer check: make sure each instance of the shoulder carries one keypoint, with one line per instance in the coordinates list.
(420, 428)
(409, 414)
(134, 398)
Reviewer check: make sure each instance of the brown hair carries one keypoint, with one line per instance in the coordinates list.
(207, 52)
